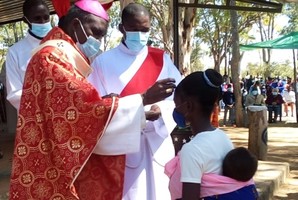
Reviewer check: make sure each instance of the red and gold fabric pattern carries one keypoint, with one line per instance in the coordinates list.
(61, 119)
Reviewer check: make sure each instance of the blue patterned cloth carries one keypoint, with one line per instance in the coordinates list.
(245, 193)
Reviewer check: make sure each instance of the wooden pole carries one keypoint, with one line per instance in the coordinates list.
(295, 84)
(257, 139)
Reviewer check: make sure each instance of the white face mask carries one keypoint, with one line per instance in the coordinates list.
(136, 40)
(254, 92)
(91, 47)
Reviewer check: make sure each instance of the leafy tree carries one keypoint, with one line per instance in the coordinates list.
(282, 69)
(196, 55)
(10, 34)
(290, 10)
(110, 40)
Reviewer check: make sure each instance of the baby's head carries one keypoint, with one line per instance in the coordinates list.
(240, 164)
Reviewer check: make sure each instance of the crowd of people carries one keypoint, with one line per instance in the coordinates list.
(96, 125)
(276, 93)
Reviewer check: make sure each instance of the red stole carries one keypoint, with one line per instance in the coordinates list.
(147, 74)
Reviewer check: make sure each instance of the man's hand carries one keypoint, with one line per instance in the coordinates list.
(159, 91)
(154, 113)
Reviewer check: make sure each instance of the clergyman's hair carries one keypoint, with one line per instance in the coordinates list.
(205, 87)
(29, 4)
(74, 12)
(132, 10)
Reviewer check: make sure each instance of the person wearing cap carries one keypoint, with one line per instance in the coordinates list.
(65, 147)
(37, 17)
(131, 68)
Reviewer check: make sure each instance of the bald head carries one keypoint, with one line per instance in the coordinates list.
(135, 18)
(132, 11)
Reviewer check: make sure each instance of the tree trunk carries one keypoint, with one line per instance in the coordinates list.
(235, 66)
(187, 18)
(15, 32)
(257, 137)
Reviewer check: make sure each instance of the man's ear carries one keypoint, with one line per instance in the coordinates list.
(121, 29)
(75, 23)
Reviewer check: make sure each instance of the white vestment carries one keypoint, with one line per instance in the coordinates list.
(17, 59)
(144, 173)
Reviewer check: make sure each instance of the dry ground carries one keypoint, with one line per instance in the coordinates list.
(282, 147)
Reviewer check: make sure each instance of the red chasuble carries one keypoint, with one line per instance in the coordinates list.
(61, 118)
(147, 74)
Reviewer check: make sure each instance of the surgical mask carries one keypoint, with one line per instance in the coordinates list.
(92, 58)
(179, 119)
(254, 92)
(40, 30)
(91, 47)
(135, 41)
(274, 93)
(230, 89)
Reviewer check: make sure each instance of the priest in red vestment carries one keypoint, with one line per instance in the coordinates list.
(62, 118)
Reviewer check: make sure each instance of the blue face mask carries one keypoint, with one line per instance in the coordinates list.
(274, 93)
(135, 41)
(179, 119)
(91, 47)
(40, 30)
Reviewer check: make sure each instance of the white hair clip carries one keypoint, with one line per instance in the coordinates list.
(208, 81)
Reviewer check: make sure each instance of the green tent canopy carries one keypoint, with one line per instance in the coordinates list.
(289, 41)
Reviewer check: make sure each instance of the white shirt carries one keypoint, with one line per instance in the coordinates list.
(289, 97)
(204, 154)
(17, 58)
(144, 173)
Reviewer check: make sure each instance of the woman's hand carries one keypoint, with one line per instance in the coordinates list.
(154, 113)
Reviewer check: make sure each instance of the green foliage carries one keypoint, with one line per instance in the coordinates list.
(10, 34)
(282, 69)
(290, 10)
(214, 29)
(115, 15)
(196, 63)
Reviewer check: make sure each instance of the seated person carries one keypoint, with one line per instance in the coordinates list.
(274, 101)
(254, 98)
(289, 98)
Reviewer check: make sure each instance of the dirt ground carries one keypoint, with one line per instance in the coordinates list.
(282, 147)
(287, 153)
